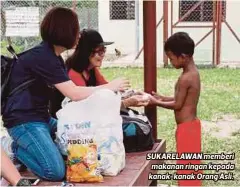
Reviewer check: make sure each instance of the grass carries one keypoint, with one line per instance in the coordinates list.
(220, 95)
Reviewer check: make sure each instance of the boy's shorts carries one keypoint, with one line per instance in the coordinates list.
(188, 140)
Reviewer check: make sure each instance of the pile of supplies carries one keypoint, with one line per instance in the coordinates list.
(90, 134)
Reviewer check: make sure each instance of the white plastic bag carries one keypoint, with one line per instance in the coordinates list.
(102, 110)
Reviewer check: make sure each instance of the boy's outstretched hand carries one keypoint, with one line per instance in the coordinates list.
(154, 99)
(157, 96)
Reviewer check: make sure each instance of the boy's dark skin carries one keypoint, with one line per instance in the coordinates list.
(187, 90)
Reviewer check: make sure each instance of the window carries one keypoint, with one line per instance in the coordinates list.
(203, 13)
(122, 10)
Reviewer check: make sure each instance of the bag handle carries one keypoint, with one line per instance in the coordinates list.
(21, 87)
(24, 85)
(10, 48)
(65, 101)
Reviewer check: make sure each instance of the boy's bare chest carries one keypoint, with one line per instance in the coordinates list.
(176, 86)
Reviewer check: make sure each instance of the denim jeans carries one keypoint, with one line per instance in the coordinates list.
(34, 146)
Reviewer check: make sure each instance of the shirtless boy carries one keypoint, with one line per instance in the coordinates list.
(180, 49)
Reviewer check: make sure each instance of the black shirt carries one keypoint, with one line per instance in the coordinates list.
(32, 104)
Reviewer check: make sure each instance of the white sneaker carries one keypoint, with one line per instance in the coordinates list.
(6, 143)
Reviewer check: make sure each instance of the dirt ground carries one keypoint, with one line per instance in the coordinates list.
(226, 127)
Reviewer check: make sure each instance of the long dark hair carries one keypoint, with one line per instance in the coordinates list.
(79, 61)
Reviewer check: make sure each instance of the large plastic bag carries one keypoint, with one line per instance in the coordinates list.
(102, 111)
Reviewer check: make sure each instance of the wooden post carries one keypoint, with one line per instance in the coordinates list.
(214, 33)
(165, 30)
(150, 56)
(219, 32)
